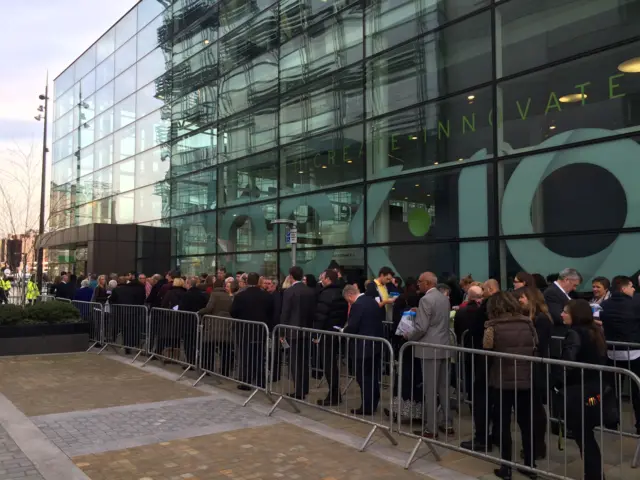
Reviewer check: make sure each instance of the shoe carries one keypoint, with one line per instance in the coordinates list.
(244, 388)
(476, 446)
(426, 433)
(503, 472)
(330, 401)
(359, 411)
(448, 431)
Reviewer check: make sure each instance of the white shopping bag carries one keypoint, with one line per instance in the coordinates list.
(407, 324)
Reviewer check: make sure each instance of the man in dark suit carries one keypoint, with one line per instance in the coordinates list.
(298, 310)
(556, 296)
(195, 299)
(64, 288)
(365, 318)
(256, 305)
(463, 322)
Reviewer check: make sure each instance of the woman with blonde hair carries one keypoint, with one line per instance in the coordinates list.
(175, 294)
(288, 281)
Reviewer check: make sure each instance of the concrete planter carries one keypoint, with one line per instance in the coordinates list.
(40, 339)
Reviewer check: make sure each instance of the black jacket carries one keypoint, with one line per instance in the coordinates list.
(544, 329)
(619, 319)
(556, 299)
(298, 306)
(465, 320)
(365, 318)
(132, 293)
(153, 299)
(331, 309)
(100, 295)
(277, 306)
(65, 290)
(579, 346)
(173, 297)
(193, 300)
(254, 304)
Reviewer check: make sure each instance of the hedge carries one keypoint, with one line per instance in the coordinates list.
(41, 313)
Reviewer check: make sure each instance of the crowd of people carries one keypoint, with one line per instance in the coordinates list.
(538, 317)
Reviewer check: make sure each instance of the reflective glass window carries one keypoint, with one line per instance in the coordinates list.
(151, 202)
(125, 112)
(188, 45)
(322, 161)
(86, 62)
(534, 34)
(194, 234)
(65, 81)
(86, 161)
(88, 84)
(263, 263)
(351, 261)
(201, 69)
(234, 13)
(568, 103)
(64, 104)
(195, 265)
(103, 153)
(103, 183)
(103, 124)
(151, 67)
(84, 190)
(248, 133)
(63, 126)
(152, 166)
(148, 99)
(327, 218)
(148, 10)
(86, 134)
(250, 179)
(84, 215)
(64, 171)
(125, 84)
(104, 98)
(125, 208)
(457, 129)
(124, 143)
(151, 130)
(105, 71)
(247, 228)
(124, 176)
(106, 45)
(125, 56)
(102, 211)
(148, 37)
(87, 110)
(193, 152)
(126, 27)
(194, 110)
(433, 66)
(194, 192)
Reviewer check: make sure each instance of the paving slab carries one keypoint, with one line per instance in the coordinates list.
(14, 463)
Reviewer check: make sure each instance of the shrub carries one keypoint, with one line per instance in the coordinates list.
(52, 312)
(11, 315)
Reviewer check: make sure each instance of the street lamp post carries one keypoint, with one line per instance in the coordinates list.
(293, 235)
(44, 109)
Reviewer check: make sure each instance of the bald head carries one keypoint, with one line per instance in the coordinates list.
(474, 293)
(491, 287)
(427, 281)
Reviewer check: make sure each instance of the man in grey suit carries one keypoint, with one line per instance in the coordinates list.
(432, 326)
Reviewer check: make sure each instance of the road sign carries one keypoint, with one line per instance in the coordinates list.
(291, 237)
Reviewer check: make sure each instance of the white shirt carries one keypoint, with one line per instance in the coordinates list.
(562, 290)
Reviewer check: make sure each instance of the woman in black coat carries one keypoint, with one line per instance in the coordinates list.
(175, 294)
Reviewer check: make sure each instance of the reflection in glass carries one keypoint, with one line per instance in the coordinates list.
(124, 176)
(125, 112)
(249, 180)
(125, 56)
(105, 46)
(124, 208)
(194, 234)
(85, 63)
(262, 263)
(103, 124)
(103, 153)
(248, 133)
(151, 67)
(148, 10)
(125, 84)
(148, 100)
(194, 110)
(148, 37)
(102, 210)
(88, 84)
(152, 166)
(126, 27)
(193, 152)
(105, 72)
(151, 202)
(193, 193)
(104, 98)
(247, 228)
(350, 260)
(124, 141)
(151, 130)
(63, 148)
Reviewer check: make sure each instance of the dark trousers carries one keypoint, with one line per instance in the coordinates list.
(224, 350)
(482, 403)
(368, 370)
(589, 449)
(251, 360)
(299, 357)
(506, 401)
(132, 331)
(411, 380)
(539, 426)
(634, 366)
(329, 350)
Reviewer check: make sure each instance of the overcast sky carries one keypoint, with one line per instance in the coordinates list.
(37, 35)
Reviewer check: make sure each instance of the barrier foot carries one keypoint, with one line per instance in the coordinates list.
(136, 357)
(275, 405)
(387, 433)
(636, 457)
(368, 439)
(103, 348)
(91, 347)
(268, 395)
(199, 378)
(413, 454)
(182, 374)
(151, 357)
(253, 394)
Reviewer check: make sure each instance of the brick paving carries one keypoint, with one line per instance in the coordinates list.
(272, 452)
(40, 385)
(14, 464)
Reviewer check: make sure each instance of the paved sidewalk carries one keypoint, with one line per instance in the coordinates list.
(13, 462)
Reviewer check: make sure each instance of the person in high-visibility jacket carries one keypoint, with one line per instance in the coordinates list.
(32, 291)
(5, 286)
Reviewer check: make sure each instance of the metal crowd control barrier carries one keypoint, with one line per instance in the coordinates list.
(580, 394)
(125, 326)
(174, 336)
(363, 357)
(235, 350)
(61, 299)
(91, 313)
(45, 298)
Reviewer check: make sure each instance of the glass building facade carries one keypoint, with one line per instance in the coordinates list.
(459, 136)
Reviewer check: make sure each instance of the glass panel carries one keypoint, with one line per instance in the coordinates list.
(533, 35)
(248, 133)
(446, 259)
(247, 228)
(102, 211)
(151, 67)
(194, 110)
(106, 45)
(88, 84)
(63, 148)
(126, 27)
(198, 70)
(105, 71)
(194, 193)
(87, 109)
(592, 255)
(572, 102)
(63, 171)
(250, 179)
(431, 206)
(103, 153)
(198, 39)
(151, 202)
(84, 191)
(234, 13)
(125, 112)
(431, 67)
(84, 215)
(86, 134)
(64, 125)
(148, 100)
(249, 85)
(196, 265)
(148, 37)
(125, 56)
(332, 102)
(65, 81)
(327, 218)
(457, 129)
(534, 187)
(124, 142)
(152, 166)
(124, 176)
(298, 17)
(194, 234)
(103, 124)
(312, 51)
(390, 22)
(193, 152)
(350, 260)
(64, 104)
(151, 130)
(86, 62)
(103, 183)
(323, 161)
(104, 98)
(125, 84)
(262, 263)
(124, 208)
